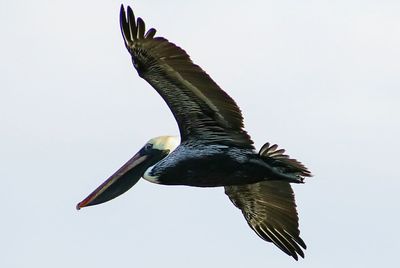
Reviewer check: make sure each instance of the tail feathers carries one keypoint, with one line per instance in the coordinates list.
(277, 158)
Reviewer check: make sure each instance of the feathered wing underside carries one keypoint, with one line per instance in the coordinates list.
(270, 210)
(201, 108)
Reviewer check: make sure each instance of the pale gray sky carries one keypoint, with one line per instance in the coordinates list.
(320, 78)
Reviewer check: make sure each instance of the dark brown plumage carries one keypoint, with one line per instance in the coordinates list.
(201, 108)
(270, 210)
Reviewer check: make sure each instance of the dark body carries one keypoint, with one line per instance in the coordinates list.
(213, 165)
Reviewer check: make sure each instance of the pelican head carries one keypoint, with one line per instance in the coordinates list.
(130, 173)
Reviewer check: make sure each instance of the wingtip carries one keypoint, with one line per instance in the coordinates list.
(125, 25)
(300, 242)
(150, 33)
(122, 15)
(141, 28)
(129, 9)
(131, 23)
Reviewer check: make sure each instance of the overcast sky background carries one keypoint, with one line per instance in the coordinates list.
(320, 78)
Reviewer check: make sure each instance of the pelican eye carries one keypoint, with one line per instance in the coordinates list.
(148, 147)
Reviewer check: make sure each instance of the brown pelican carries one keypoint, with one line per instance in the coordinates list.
(214, 149)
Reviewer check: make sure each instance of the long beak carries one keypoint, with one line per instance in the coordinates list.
(122, 180)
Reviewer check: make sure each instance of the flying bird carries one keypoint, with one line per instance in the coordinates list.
(214, 149)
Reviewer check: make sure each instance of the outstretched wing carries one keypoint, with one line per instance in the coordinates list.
(270, 210)
(201, 108)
